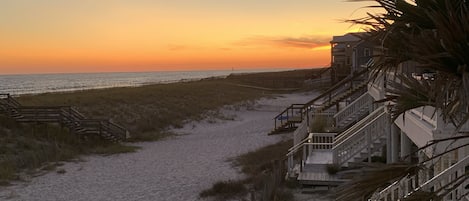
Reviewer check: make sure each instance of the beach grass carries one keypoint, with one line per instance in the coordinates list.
(255, 165)
(226, 189)
(148, 112)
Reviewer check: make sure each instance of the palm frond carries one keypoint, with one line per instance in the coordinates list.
(434, 35)
(369, 178)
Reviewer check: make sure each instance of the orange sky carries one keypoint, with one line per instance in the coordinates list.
(151, 35)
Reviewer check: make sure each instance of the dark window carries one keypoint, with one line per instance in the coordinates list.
(366, 52)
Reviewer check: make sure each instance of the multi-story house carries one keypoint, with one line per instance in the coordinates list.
(348, 54)
(347, 125)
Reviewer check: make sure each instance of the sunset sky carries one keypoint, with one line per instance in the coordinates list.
(52, 36)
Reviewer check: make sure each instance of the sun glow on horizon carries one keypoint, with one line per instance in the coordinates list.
(106, 36)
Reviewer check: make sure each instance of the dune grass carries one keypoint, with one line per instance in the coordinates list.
(225, 189)
(255, 165)
(148, 112)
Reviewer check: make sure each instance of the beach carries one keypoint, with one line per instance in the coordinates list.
(176, 168)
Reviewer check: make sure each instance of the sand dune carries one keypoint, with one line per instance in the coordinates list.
(173, 169)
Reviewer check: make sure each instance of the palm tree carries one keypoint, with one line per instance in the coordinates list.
(435, 35)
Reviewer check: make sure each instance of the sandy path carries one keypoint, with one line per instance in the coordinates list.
(173, 169)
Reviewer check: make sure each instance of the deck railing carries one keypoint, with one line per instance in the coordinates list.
(451, 182)
(64, 115)
(300, 133)
(359, 137)
(292, 113)
(314, 142)
(364, 102)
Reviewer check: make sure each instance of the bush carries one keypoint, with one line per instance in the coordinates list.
(332, 169)
(225, 189)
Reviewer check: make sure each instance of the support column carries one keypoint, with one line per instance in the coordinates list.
(406, 145)
(388, 145)
(395, 132)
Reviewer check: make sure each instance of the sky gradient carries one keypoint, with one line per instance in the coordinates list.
(59, 36)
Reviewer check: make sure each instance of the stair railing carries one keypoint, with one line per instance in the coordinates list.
(10, 100)
(314, 141)
(363, 102)
(67, 115)
(293, 111)
(453, 178)
(360, 136)
(329, 92)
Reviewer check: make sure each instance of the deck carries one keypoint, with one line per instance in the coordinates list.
(315, 170)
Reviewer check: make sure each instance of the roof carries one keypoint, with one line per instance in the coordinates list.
(349, 37)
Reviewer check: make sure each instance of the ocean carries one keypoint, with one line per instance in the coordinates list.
(45, 83)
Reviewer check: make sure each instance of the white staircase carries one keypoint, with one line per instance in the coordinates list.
(362, 140)
(354, 111)
(440, 184)
(359, 142)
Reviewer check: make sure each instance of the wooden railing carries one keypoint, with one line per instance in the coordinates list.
(364, 102)
(360, 136)
(300, 133)
(64, 115)
(339, 87)
(9, 100)
(321, 141)
(315, 141)
(427, 114)
(296, 112)
(450, 182)
(292, 113)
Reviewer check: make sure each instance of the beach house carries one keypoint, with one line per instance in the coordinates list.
(348, 125)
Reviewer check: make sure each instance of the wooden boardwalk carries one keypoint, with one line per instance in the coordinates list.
(66, 116)
(321, 178)
(288, 119)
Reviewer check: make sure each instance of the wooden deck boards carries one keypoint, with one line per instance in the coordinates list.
(319, 179)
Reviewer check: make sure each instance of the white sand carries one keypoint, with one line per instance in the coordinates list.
(173, 169)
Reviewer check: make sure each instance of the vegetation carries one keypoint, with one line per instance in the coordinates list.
(29, 147)
(259, 166)
(147, 111)
(226, 189)
(432, 35)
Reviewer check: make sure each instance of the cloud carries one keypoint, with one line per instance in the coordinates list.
(307, 42)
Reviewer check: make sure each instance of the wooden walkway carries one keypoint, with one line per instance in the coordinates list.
(288, 119)
(319, 179)
(66, 116)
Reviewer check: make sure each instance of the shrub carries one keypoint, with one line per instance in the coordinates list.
(225, 189)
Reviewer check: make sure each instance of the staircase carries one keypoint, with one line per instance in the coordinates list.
(288, 119)
(64, 115)
(331, 101)
(451, 184)
(362, 140)
(353, 112)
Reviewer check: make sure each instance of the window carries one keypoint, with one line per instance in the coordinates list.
(366, 52)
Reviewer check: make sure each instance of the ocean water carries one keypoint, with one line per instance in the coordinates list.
(44, 83)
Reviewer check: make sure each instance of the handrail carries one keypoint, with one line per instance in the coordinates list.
(67, 115)
(300, 133)
(295, 147)
(348, 146)
(426, 186)
(461, 164)
(358, 104)
(292, 106)
(420, 112)
(10, 100)
(346, 134)
(336, 86)
(310, 138)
